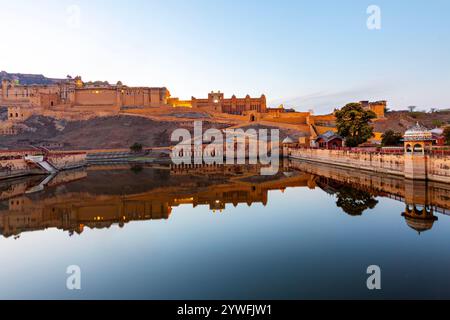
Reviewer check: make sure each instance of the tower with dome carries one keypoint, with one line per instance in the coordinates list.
(418, 142)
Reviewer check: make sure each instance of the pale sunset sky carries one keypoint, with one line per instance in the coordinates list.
(307, 54)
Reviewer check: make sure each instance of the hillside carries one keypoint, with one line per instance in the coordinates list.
(122, 131)
(111, 132)
(28, 79)
(400, 121)
(98, 133)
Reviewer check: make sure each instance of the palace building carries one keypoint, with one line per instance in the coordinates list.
(72, 99)
(378, 107)
(216, 102)
(74, 95)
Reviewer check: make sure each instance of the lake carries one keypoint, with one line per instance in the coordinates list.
(223, 232)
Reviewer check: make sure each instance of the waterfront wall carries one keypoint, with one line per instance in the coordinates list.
(65, 161)
(421, 167)
(381, 163)
(16, 168)
(13, 163)
(439, 168)
(423, 193)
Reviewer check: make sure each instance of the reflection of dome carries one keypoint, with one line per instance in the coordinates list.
(419, 219)
(420, 225)
(418, 133)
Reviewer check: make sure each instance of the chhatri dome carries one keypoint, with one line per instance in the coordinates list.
(288, 140)
(418, 133)
(437, 131)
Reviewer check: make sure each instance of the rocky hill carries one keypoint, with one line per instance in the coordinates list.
(98, 133)
(110, 132)
(122, 131)
(28, 79)
(400, 121)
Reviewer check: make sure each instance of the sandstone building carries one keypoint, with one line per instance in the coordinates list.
(378, 107)
(216, 102)
(72, 99)
(74, 95)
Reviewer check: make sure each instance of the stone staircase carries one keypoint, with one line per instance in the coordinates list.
(42, 163)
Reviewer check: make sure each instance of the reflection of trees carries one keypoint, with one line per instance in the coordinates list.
(354, 201)
(137, 168)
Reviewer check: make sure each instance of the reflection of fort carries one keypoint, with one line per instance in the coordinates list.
(78, 204)
(80, 199)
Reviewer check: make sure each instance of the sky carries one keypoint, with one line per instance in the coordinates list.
(315, 55)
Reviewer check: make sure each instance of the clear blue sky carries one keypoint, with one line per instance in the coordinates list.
(307, 54)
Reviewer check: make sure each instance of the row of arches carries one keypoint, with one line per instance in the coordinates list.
(416, 148)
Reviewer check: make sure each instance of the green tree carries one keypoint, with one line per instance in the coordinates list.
(412, 108)
(391, 138)
(447, 135)
(136, 147)
(354, 124)
(137, 169)
(437, 123)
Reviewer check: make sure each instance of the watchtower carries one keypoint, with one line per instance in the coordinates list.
(418, 141)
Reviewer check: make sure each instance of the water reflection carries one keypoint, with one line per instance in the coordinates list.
(353, 201)
(102, 196)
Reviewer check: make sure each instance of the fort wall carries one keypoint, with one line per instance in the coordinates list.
(16, 168)
(439, 168)
(290, 118)
(96, 97)
(436, 168)
(382, 163)
(65, 161)
(19, 114)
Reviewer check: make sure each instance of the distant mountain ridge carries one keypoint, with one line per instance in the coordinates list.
(28, 79)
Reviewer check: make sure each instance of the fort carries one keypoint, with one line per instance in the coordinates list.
(72, 95)
(71, 99)
(216, 102)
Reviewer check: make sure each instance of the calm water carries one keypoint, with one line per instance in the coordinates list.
(146, 233)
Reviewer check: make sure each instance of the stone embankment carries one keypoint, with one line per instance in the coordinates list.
(431, 166)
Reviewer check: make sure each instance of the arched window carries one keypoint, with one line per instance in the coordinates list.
(408, 148)
(418, 148)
